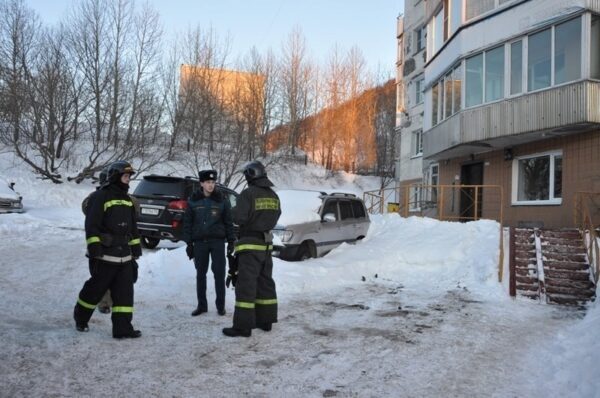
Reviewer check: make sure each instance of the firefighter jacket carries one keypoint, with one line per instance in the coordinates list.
(257, 209)
(207, 217)
(111, 225)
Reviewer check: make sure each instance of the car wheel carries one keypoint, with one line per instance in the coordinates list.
(149, 243)
(304, 252)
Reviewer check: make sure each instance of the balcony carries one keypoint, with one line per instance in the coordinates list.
(568, 109)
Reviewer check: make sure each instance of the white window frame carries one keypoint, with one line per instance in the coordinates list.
(417, 144)
(583, 75)
(430, 181)
(515, 180)
(414, 193)
(422, 32)
(419, 85)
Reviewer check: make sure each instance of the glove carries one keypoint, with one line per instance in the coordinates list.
(231, 278)
(189, 250)
(135, 267)
(233, 271)
(230, 248)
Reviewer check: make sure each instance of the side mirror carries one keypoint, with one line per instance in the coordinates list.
(12, 184)
(329, 217)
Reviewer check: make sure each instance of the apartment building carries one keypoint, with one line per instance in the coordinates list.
(410, 82)
(511, 100)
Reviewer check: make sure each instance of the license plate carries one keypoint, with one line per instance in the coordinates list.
(151, 212)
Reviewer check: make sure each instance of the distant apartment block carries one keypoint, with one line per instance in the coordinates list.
(507, 94)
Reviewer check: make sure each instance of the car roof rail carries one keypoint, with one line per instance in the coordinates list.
(348, 195)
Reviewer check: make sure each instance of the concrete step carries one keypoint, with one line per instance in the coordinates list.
(569, 257)
(526, 271)
(566, 265)
(529, 295)
(527, 287)
(564, 234)
(580, 250)
(566, 299)
(561, 241)
(569, 291)
(571, 275)
(576, 284)
(526, 263)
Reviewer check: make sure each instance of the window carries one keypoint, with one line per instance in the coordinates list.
(434, 105)
(494, 74)
(474, 8)
(419, 84)
(345, 209)
(448, 95)
(516, 67)
(358, 209)
(418, 143)
(421, 38)
(474, 81)
(595, 48)
(537, 179)
(415, 198)
(331, 207)
(434, 172)
(438, 32)
(567, 51)
(456, 15)
(538, 60)
(457, 76)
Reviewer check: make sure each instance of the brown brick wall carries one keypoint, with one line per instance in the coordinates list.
(581, 172)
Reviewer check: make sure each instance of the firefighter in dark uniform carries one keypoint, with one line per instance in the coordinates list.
(207, 225)
(113, 242)
(256, 212)
(106, 301)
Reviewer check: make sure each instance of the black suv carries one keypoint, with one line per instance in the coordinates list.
(160, 204)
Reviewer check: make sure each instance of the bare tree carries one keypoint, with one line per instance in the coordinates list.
(295, 78)
(116, 74)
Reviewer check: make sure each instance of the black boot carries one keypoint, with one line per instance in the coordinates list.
(104, 310)
(265, 326)
(79, 325)
(233, 332)
(198, 311)
(82, 327)
(129, 335)
(222, 312)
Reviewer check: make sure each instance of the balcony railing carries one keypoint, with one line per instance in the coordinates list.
(565, 109)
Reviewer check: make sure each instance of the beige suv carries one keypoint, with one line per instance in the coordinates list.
(313, 223)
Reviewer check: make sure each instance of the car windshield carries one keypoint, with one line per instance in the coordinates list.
(162, 187)
(298, 207)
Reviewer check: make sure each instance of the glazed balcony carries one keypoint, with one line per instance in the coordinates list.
(563, 110)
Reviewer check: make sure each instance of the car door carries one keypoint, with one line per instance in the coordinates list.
(329, 234)
(361, 221)
(347, 221)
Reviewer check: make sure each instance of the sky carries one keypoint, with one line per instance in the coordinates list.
(415, 309)
(370, 25)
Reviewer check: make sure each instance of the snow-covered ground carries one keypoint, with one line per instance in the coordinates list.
(414, 310)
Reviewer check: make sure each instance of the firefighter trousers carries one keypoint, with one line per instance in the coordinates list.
(255, 295)
(119, 279)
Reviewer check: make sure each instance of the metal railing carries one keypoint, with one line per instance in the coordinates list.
(587, 219)
(442, 202)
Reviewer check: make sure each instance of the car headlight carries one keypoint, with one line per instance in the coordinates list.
(283, 234)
